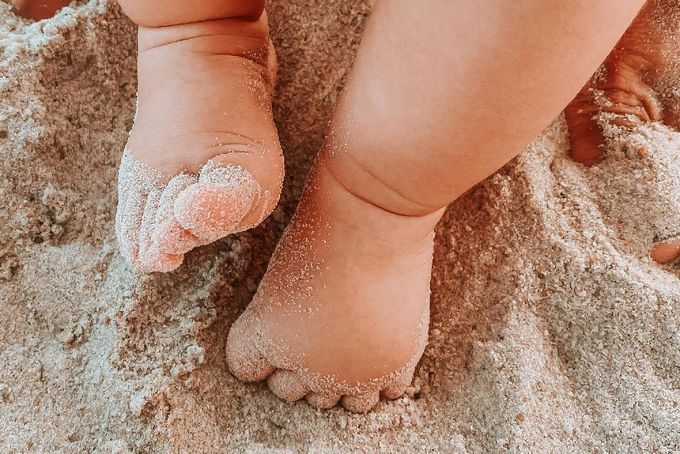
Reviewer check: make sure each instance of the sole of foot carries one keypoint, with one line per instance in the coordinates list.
(203, 158)
(617, 121)
(342, 313)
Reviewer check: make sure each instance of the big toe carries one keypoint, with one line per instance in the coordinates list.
(216, 205)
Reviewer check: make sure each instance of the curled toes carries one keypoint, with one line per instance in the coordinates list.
(361, 403)
(243, 357)
(287, 385)
(151, 259)
(322, 401)
(139, 194)
(168, 234)
(215, 206)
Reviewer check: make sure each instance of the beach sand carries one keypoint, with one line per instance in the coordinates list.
(552, 331)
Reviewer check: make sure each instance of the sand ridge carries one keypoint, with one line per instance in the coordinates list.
(550, 330)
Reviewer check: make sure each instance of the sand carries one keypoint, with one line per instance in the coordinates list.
(551, 329)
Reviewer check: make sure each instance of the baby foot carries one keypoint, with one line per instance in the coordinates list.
(342, 312)
(203, 158)
(634, 93)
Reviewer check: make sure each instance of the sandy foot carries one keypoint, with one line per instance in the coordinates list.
(203, 159)
(334, 320)
(615, 116)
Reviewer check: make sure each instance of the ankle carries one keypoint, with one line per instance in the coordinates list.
(365, 182)
(361, 210)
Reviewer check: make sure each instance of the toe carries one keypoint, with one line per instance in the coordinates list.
(361, 403)
(155, 261)
(666, 252)
(395, 390)
(169, 235)
(322, 401)
(151, 259)
(244, 358)
(287, 385)
(172, 238)
(128, 222)
(215, 206)
(138, 198)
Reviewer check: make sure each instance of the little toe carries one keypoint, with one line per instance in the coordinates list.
(361, 403)
(155, 261)
(128, 222)
(244, 359)
(666, 252)
(169, 235)
(215, 206)
(172, 238)
(322, 401)
(151, 259)
(287, 385)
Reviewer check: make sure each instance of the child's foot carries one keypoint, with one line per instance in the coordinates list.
(342, 313)
(636, 86)
(203, 158)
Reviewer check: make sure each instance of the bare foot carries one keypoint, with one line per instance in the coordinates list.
(203, 158)
(342, 313)
(39, 9)
(634, 88)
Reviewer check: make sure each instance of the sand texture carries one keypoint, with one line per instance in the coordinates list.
(551, 329)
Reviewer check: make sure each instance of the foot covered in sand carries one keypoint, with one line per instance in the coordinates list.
(203, 158)
(342, 313)
(614, 121)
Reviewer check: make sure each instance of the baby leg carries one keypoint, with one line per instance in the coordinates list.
(441, 95)
(203, 158)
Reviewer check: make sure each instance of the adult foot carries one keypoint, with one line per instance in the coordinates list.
(203, 158)
(342, 313)
(635, 87)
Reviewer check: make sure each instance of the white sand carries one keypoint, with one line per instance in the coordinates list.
(551, 330)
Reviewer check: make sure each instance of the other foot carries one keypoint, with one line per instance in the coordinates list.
(636, 86)
(203, 158)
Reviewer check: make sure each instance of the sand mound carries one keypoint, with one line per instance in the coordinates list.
(551, 329)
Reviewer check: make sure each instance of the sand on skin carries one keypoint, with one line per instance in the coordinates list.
(551, 331)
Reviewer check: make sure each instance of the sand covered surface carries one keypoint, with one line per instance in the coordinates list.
(552, 331)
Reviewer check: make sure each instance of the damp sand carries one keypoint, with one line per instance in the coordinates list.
(551, 330)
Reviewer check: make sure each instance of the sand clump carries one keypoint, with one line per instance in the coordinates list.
(551, 329)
